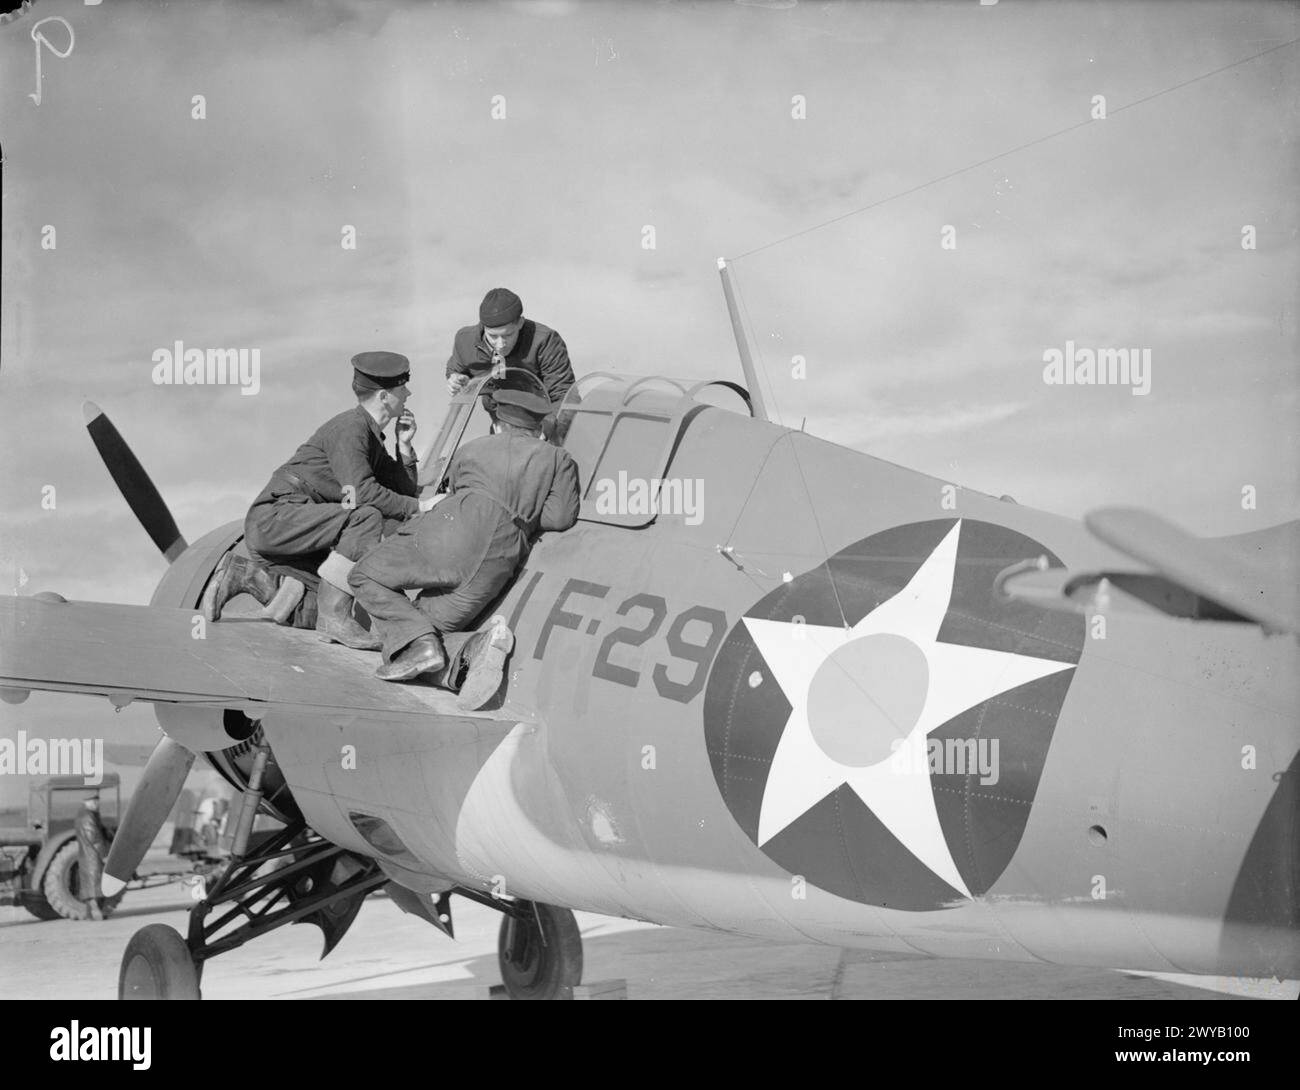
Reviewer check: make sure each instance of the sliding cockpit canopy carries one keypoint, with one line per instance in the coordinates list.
(609, 423)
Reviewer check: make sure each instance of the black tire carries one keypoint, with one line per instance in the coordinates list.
(537, 969)
(39, 907)
(157, 965)
(60, 886)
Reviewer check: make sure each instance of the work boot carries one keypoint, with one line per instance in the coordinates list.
(420, 656)
(335, 623)
(334, 620)
(486, 664)
(236, 575)
(281, 608)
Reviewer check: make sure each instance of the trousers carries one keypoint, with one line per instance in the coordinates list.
(451, 593)
(293, 526)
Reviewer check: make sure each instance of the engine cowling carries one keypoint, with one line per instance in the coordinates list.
(225, 736)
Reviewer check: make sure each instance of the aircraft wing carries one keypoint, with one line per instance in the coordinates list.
(197, 673)
(1253, 577)
(150, 653)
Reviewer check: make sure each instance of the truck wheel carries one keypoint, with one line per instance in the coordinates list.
(540, 962)
(60, 886)
(157, 965)
(39, 907)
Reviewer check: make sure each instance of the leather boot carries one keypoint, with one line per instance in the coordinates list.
(334, 620)
(486, 665)
(335, 623)
(236, 575)
(281, 608)
(420, 656)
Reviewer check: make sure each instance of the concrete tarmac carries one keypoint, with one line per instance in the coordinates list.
(389, 954)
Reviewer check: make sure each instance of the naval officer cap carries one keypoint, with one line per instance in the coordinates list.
(521, 407)
(379, 371)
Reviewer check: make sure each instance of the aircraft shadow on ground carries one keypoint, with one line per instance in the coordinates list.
(659, 963)
(677, 964)
(668, 963)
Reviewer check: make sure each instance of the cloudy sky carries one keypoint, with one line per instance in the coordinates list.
(225, 232)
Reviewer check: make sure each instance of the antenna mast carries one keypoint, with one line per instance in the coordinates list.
(742, 342)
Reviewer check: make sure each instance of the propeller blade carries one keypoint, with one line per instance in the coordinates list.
(134, 483)
(159, 788)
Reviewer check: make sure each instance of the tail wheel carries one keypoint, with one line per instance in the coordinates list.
(61, 890)
(157, 965)
(540, 953)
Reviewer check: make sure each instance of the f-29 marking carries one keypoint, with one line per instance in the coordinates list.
(648, 613)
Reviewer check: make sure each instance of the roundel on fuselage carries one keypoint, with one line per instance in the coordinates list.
(879, 724)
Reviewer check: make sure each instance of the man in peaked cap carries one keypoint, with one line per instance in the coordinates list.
(502, 489)
(334, 499)
(505, 338)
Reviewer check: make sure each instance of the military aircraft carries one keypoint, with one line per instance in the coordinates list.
(767, 685)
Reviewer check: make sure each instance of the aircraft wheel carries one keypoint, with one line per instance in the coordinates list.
(60, 886)
(157, 965)
(535, 969)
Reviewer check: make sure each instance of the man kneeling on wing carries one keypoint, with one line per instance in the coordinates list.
(502, 489)
(335, 498)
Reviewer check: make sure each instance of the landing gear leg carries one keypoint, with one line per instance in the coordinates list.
(293, 877)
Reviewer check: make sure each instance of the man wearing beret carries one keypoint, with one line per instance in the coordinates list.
(502, 489)
(505, 338)
(334, 499)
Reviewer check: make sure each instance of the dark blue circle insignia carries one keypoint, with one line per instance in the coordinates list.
(879, 724)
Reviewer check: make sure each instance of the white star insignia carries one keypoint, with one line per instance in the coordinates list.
(875, 705)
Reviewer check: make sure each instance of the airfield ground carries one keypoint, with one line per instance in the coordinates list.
(391, 955)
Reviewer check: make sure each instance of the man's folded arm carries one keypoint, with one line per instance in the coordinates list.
(350, 463)
(400, 474)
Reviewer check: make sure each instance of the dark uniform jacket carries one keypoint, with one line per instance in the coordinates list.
(348, 449)
(502, 489)
(539, 349)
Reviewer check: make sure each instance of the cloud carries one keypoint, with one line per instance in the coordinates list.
(546, 9)
(862, 429)
(226, 233)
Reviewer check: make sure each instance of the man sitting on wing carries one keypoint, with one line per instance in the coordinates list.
(502, 488)
(334, 499)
